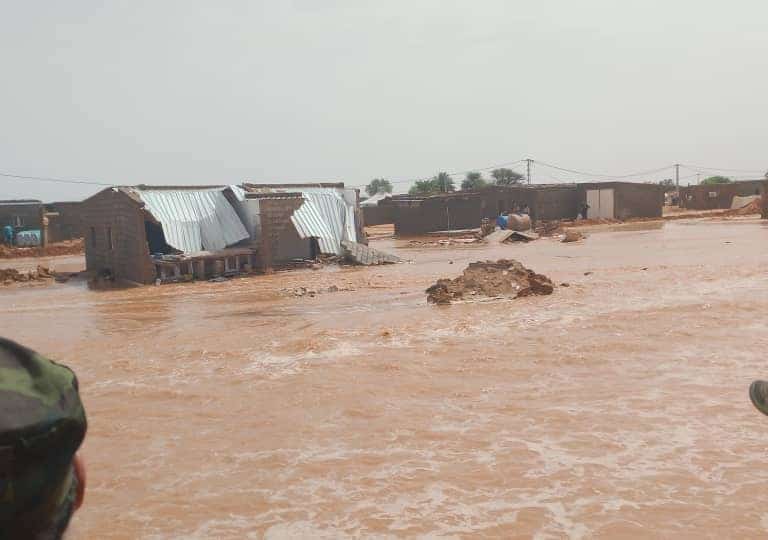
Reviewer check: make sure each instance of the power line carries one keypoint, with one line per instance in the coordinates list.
(717, 169)
(613, 176)
(57, 180)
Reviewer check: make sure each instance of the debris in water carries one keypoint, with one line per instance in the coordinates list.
(11, 275)
(367, 256)
(505, 277)
(573, 236)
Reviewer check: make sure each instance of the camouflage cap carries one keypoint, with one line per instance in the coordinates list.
(42, 424)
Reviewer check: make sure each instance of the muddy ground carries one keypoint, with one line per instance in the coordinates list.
(614, 408)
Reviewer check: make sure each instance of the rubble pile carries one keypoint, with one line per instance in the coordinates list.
(11, 275)
(505, 277)
(753, 207)
(549, 228)
(573, 236)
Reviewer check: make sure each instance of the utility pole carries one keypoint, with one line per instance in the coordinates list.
(677, 176)
(528, 162)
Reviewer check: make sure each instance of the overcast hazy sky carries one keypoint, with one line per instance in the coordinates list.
(222, 91)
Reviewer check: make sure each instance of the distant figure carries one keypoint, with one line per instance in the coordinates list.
(584, 211)
(42, 424)
(8, 235)
(525, 210)
(501, 222)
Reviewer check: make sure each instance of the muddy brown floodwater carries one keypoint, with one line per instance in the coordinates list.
(615, 408)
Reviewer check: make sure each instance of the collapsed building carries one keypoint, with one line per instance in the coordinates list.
(145, 234)
(719, 196)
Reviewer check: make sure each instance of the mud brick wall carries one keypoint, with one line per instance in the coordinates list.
(764, 213)
(638, 200)
(553, 203)
(275, 214)
(630, 200)
(700, 198)
(415, 217)
(30, 214)
(68, 224)
(377, 215)
(128, 259)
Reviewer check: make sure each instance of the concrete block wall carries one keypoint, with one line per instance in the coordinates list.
(377, 215)
(128, 258)
(275, 216)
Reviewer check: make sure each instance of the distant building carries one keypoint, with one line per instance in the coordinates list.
(622, 200)
(65, 221)
(21, 214)
(719, 196)
(377, 210)
(414, 215)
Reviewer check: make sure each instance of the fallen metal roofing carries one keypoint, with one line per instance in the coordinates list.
(375, 199)
(194, 220)
(328, 212)
(325, 215)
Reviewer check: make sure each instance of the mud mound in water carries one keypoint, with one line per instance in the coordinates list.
(11, 275)
(505, 277)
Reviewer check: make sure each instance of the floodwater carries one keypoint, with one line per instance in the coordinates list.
(615, 408)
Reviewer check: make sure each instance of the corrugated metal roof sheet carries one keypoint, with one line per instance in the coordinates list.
(194, 220)
(374, 199)
(326, 215)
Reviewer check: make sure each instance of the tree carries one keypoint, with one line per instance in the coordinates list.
(443, 182)
(378, 185)
(668, 184)
(423, 187)
(473, 180)
(717, 180)
(505, 177)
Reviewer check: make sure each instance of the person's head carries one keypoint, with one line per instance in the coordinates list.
(42, 424)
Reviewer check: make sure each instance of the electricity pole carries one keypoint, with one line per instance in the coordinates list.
(677, 176)
(528, 162)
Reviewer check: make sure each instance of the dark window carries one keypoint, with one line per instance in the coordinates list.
(93, 236)
(109, 238)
